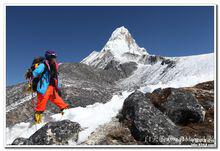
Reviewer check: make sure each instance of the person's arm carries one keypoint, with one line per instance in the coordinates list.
(38, 70)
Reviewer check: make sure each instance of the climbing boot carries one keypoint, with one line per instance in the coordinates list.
(38, 118)
(62, 111)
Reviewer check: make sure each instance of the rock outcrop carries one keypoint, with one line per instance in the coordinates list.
(204, 93)
(53, 133)
(171, 115)
(179, 105)
(147, 123)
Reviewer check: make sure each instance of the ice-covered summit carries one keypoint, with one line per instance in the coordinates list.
(121, 47)
(121, 42)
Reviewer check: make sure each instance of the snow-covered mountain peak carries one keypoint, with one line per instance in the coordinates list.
(121, 42)
(121, 47)
(119, 33)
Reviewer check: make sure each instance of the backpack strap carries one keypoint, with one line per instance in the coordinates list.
(47, 67)
(57, 65)
(47, 64)
(41, 75)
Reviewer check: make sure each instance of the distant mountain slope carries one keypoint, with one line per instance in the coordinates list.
(188, 70)
(151, 69)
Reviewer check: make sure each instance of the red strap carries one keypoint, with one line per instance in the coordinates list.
(57, 65)
(47, 64)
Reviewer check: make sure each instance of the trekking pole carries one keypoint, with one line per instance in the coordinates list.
(33, 106)
(32, 101)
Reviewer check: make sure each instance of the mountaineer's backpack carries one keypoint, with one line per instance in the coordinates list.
(32, 82)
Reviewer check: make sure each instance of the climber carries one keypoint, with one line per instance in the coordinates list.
(48, 87)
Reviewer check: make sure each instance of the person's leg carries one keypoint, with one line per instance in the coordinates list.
(41, 104)
(42, 100)
(56, 99)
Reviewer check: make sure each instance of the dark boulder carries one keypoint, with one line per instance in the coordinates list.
(53, 133)
(179, 105)
(147, 123)
(204, 93)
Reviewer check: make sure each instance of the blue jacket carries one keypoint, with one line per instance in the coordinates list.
(45, 80)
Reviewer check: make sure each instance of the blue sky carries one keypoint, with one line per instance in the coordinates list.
(74, 32)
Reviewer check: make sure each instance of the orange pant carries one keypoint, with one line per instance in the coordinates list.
(51, 95)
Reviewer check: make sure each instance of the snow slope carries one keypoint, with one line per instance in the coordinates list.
(187, 71)
(89, 118)
(90, 57)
